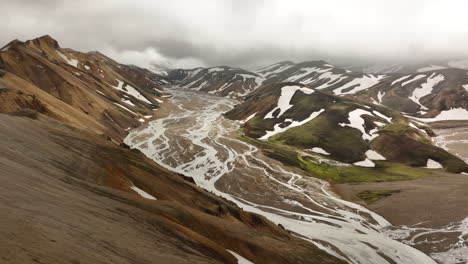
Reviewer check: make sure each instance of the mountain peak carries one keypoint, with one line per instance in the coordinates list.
(12, 43)
(44, 41)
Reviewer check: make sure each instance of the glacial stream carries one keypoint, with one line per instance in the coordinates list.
(196, 140)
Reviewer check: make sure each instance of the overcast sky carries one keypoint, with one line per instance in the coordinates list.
(244, 33)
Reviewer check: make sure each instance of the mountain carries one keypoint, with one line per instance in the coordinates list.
(222, 80)
(425, 94)
(72, 192)
(87, 90)
(337, 127)
(405, 68)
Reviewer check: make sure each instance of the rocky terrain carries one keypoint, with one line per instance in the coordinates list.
(87, 90)
(304, 162)
(426, 92)
(73, 193)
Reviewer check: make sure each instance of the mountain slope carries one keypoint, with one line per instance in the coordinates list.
(424, 94)
(222, 81)
(107, 97)
(77, 197)
(73, 194)
(337, 127)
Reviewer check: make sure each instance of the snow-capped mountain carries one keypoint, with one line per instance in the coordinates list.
(342, 128)
(222, 80)
(424, 94)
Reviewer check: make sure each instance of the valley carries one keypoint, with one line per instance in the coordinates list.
(191, 137)
(292, 163)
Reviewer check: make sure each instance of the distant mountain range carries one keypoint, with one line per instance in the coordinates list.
(426, 92)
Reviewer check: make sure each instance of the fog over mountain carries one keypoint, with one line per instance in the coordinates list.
(245, 33)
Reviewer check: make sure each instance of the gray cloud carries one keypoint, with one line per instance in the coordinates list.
(244, 33)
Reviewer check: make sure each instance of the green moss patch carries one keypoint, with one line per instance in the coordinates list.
(384, 170)
(373, 196)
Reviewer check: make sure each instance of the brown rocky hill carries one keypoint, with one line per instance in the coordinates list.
(88, 90)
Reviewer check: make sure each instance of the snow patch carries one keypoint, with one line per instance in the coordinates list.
(432, 164)
(365, 163)
(426, 89)
(247, 119)
(131, 91)
(373, 155)
(277, 129)
(452, 114)
(400, 79)
(359, 84)
(319, 151)
(417, 77)
(240, 259)
(389, 119)
(142, 193)
(356, 121)
(287, 92)
(125, 108)
(465, 86)
(72, 62)
(303, 72)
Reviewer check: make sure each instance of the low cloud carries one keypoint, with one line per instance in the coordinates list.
(242, 33)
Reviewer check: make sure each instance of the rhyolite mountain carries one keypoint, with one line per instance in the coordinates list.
(87, 90)
(71, 192)
(340, 128)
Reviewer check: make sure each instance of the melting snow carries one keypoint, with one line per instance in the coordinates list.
(215, 69)
(452, 114)
(373, 155)
(319, 151)
(356, 121)
(265, 72)
(87, 67)
(389, 119)
(72, 62)
(426, 89)
(240, 259)
(400, 79)
(359, 84)
(417, 77)
(277, 129)
(247, 119)
(432, 164)
(379, 124)
(128, 102)
(304, 72)
(125, 108)
(142, 193)
(380, 96)
(287, 92)
(131, 91)
(365, 163)
(333, 79)
(465, 86)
